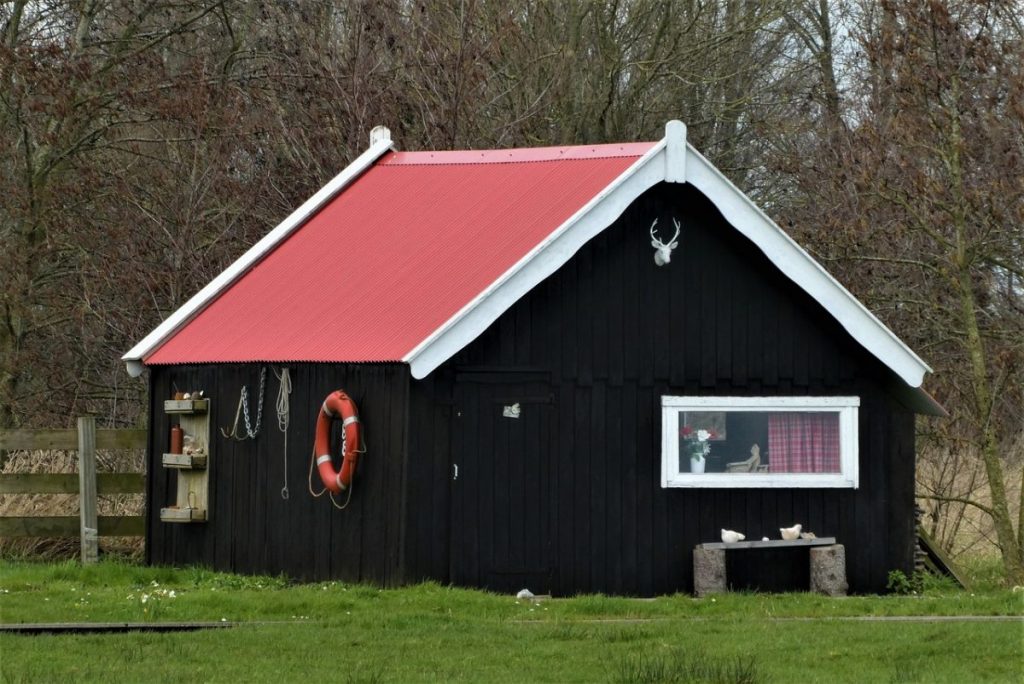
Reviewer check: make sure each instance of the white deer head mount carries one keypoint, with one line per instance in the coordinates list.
(663, 253)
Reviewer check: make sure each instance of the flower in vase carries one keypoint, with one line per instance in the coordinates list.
(697, 441)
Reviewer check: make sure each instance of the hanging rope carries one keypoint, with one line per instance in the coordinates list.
(309, 482)
(309, 477)
(243, 411)
(283, 418)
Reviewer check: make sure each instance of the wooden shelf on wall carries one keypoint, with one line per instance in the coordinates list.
(185, 461)
(174, 514)
(192, 496)
(186, 405)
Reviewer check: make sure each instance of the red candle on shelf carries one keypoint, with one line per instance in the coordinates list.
(177, 439)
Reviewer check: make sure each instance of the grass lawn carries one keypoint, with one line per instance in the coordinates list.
(344, 633)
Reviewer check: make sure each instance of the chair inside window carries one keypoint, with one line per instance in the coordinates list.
(750, 465)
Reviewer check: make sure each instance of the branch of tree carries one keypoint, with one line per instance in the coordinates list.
(956, 499)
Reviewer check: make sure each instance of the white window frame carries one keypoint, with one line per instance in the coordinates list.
(846, 407)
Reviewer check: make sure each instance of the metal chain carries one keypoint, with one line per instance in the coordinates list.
(245, 406)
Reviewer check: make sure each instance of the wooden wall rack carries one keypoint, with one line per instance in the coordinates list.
(192, 500)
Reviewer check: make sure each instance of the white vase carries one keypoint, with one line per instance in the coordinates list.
(697, 465)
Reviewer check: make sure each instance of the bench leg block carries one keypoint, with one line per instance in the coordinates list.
(828, 570)
(708, 571)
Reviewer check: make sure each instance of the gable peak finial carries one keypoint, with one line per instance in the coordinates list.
(675, 130)
(675, 152)
(380, 134)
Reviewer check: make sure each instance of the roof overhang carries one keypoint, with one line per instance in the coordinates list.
(380, 143)
(672, 160)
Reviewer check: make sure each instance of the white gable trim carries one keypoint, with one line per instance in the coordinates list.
(543, 260)
(380, 144)
(671, 160)
(802, 269)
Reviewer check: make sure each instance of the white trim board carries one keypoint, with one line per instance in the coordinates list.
(666, 161)
(846, 407)
(540, 262)
(790, 258)
(381, 143)
(670, 160)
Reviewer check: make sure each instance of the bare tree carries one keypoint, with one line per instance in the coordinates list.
(915, 195)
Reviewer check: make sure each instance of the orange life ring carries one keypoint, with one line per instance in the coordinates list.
(337, 405)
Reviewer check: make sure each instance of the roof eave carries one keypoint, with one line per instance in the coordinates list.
(380, 144)
(672, 160)
(746, 217)
(539, 263)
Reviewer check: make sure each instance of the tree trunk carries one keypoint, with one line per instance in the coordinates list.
(1013, 560)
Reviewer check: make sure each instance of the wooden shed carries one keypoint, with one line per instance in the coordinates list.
(555, 392)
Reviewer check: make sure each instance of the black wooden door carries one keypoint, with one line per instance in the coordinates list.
(502, 436)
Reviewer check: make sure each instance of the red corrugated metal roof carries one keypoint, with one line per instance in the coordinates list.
(393, 257)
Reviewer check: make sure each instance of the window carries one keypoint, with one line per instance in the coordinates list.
(759, 441)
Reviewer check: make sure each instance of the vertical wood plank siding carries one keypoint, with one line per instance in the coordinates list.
(613, 333)
(251, 528)
(593, 349)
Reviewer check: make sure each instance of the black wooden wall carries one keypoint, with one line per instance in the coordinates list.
(251, 528)
(605, 338)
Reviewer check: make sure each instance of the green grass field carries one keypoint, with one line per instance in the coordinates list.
(344, 633)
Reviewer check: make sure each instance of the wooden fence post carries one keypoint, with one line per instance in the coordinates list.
(87, 488)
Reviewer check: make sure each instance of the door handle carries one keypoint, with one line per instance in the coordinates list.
(455, 471)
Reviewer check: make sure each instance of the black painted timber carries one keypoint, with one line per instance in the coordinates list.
(567, 498)
(251, 528)
(614, 333)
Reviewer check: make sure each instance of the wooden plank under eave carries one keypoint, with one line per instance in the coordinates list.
(67, 483)
(68, 526)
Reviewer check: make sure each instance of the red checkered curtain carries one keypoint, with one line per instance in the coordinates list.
(803, 443)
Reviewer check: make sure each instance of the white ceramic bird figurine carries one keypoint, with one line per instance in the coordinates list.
(730, 537)
(791, 533)
(764, 538)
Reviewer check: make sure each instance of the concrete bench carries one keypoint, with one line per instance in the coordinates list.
(828, 564)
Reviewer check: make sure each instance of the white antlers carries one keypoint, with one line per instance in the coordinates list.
(664, 253)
